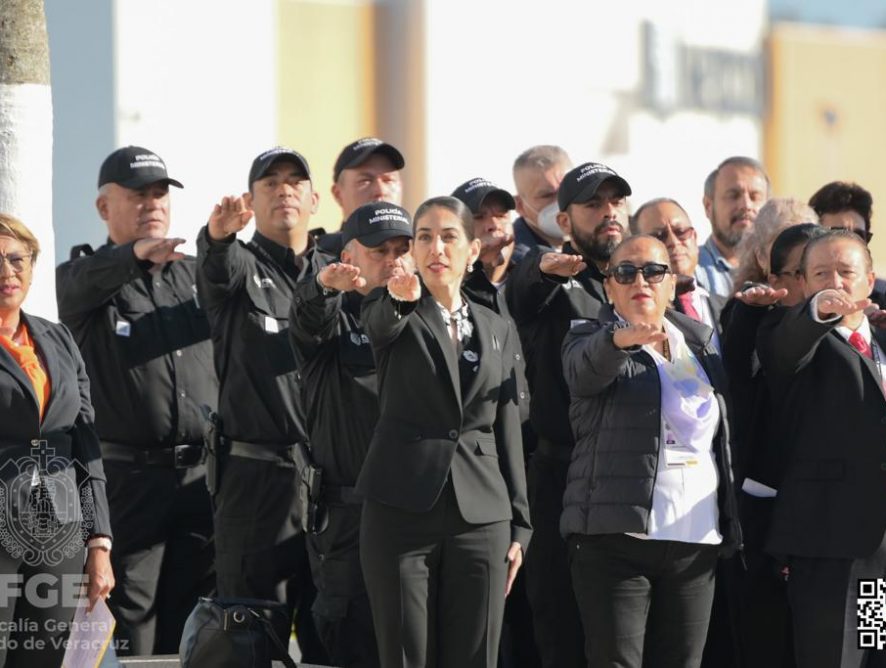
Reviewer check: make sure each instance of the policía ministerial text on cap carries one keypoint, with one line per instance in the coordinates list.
(134, 167)
(374, 223)
(474, 192)
(581, 184)
(358, 152)
(263, 162)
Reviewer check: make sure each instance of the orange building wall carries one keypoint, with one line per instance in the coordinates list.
(827, 115)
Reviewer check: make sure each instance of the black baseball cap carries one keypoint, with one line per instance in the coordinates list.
(263, 162)
(358, 152)
(134, 167)
(581, 183)
(374, 223)
(474, 192)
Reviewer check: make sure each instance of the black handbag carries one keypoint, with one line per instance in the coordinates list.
(235, 633)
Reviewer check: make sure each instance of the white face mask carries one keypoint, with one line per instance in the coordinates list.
(547, 222)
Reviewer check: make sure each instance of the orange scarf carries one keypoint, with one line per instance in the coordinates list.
(25, 353)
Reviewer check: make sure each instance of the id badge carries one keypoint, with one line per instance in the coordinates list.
(677, 455)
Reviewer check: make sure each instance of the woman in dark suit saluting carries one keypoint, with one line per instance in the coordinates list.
(446, 520)
(49, 460)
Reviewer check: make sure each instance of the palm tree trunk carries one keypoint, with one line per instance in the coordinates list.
(26, 137)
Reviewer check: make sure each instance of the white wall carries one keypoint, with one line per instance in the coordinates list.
(193, 80)
(503, 75)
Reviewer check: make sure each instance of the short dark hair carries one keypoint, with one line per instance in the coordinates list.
(840, 196)
(836, 235)
(734, 161)
(788, 239)
(633, 223)
(452, 205)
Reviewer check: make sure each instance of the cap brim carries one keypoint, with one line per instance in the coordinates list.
(386, 150)
(137, 183)
(591, 189)
(503, 196)
(378, 238)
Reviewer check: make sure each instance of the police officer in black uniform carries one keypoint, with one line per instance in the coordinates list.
(547, 293)
(132, 307)
(341, 402)
(367, 170)
(247, 289)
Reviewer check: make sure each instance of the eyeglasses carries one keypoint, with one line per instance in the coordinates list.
(626, 273)
(682, 233)
(864, 234)
(18, 262)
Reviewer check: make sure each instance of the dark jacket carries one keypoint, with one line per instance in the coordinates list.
(430, 429)
(616, 417)
(830, 501)
(74, 466)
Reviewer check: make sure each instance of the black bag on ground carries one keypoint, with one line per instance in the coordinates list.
(235, 633)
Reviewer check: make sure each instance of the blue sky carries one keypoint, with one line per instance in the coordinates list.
(859, 13)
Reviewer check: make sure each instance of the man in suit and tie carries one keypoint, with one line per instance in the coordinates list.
(667, 221)
(830, 512)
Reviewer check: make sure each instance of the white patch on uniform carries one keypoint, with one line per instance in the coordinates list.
(271, 325)
(470, 356)
(576, 323)
(123, 328)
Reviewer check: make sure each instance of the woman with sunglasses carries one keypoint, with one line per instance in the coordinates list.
(649, 504)
(54, 511)
(445, 519)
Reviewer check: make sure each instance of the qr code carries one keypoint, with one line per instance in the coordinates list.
(872, 614)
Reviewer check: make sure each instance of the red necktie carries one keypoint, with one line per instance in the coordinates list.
(688, 308)
(857, 341)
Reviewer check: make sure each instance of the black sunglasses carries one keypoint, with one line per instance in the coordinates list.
(626, 273)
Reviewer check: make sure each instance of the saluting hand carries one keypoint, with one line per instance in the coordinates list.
(515, 560)
(637, 335)
(158, 251)
(491, 246)
(761, 295)
(341, 276)
(834, 302)
(404, 287)
(229, 217)
(877, 317)
(561, 264)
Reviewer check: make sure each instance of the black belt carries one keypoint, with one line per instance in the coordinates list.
(561, 453)
(285, 454)
(335, 495)
(184, 456)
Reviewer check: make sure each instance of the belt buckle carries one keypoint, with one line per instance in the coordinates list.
(187, 456)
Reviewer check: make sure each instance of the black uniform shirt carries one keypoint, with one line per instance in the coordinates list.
(339, 383)
(480, 289)
(145, 342)
(544, 308)
(246, 289)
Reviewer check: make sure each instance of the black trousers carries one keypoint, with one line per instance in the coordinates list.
(436, 584)
(643, 602)
(260, 551)
(341, 610)
(35, 626)
(558, 630)
(823, 595)
(163, 553)
(764, 621)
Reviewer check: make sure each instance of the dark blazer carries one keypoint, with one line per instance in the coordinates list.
(67, 428)
(427, 432)
(830, 502)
